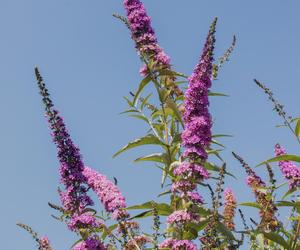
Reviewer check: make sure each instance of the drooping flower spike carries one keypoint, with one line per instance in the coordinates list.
(76, 177)
(145, 40)
(290, 171)
(43, 242)
(74, 198)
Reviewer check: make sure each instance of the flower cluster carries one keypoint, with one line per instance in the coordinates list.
(74, 198)
(139, 241)
(178, 244)
(142, 32)
(107, 192)
(84, 221)
(44, 243)
(77, 179)
(196, 136)
(181, 217)
(187, 175)
(146, 42)
(91, 243)
(229, 208)
(290, 171)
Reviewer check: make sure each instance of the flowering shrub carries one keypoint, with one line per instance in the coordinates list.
(180, 125)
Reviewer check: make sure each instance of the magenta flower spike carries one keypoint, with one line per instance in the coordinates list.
(196, 136)
(289, 170)
(90, 243)
(76, 177)
(107, 192)
(74, 198)
(143, 33)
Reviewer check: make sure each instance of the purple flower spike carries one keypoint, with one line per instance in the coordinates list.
(143, 34)
(290, 171)
(107, 192)
(196, 136)
(74, 197)
(91, 243)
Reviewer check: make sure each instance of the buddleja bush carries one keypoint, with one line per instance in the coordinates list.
(180, 126)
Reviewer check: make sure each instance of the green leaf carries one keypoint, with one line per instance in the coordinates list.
(142, 215)
(129, 111)
(276, 238)
(157, 157)
(130, 103)
(141, 117)
(145, 205)
(217, 94)
(161, 207)
(282, 158)
(147, 140)
(167, 112)
(297, 128)
(142, 85)
(221, 135)
(212, 167)
(224, 230)
(165, 193)
(250, 204)
(288, 193)
(166, 72)
(172, 105)
(145, 101)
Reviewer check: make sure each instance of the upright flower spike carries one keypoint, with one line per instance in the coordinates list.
(74, 198)
(267, 206)
(145, 40)
(290, 171)
(229, 208)
(196, 136)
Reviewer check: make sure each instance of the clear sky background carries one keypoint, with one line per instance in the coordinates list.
(89, 63)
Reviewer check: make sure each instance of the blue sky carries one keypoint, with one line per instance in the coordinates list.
(89, 64)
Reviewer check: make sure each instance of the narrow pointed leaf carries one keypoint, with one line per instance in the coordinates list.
(297, 128)
(147, 140)
(142, 85)
(276, 238)
(250, 204)
(282, 158)
(157, 157)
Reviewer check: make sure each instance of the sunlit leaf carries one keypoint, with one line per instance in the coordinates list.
(221, 135)
(288, 193)
(250, 204)
(297, 128)
(282, 158)
(172, 105)
(142, 85)
(157, 157)
(147, 140)
(145, 101)
(225, 231)
(217, 94)
(276, 238)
